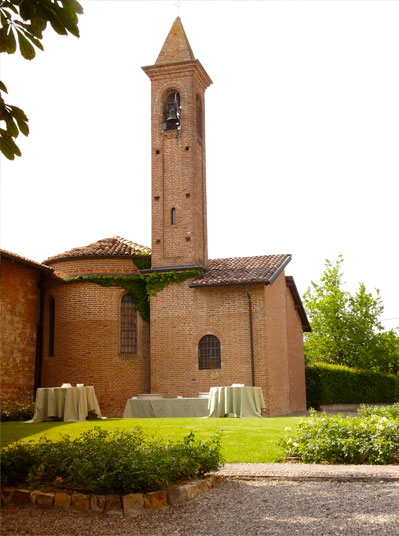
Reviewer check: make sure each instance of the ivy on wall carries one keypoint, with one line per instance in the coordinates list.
(141, 287)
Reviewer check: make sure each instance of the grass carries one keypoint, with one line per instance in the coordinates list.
(243, 440)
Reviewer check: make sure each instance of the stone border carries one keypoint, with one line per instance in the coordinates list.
(130, 505)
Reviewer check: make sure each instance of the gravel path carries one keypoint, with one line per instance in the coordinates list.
(238, 507)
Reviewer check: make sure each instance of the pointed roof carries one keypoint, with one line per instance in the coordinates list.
(176, 47)
(107, 247)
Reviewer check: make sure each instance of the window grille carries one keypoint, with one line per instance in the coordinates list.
(209, 352)
(128, 325)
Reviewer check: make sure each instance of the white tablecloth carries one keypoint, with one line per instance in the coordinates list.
(236, 402)
(67, 403)
(166, 407)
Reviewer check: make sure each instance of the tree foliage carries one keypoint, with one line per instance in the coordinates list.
(22, 23)
(346, 329)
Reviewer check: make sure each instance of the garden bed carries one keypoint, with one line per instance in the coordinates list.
(130, 505)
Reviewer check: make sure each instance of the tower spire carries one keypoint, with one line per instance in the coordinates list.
(176, 47)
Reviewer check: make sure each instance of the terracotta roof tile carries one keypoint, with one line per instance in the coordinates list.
(112, 247)
(24, 260)
(241, 270)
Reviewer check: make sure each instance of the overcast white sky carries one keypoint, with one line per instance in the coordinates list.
(302, 132)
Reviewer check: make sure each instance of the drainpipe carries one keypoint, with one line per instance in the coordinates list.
(251, 335)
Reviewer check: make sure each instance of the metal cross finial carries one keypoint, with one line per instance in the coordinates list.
(178, 4)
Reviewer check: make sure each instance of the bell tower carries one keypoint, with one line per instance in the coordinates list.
(179, 223)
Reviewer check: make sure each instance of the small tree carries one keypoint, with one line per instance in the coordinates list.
(346, 329)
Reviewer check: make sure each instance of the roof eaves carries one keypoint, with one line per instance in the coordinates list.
(298, 303)
(23, 260)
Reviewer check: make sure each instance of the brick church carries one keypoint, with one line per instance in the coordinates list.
(234, 320)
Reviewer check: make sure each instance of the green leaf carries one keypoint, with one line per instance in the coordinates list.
(7, 40)
(37, 26)
(12, 128)
(3, 87)
(27, 50)
(58, 27)
(21, 119)
(7, 146)
(28, 34)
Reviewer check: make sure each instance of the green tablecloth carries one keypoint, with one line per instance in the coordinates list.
(166, 407)
(236, 402)
(67, 403)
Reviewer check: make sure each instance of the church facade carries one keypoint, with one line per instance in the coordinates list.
(220, 321)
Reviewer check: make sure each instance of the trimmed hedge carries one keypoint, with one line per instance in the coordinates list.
(117, 461)
(335, 384)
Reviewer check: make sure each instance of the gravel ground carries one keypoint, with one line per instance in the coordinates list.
(237, 508)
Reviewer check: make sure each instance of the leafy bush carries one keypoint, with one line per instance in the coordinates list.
(16, 411)
(329, 384)
(110, 462)
(334, 439)
(390, 412)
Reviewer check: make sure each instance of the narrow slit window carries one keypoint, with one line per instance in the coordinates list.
(209, 353)
(51, 326)
(173, 216)
(128, 325)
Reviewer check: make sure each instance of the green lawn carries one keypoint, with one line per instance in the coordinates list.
(244, 440)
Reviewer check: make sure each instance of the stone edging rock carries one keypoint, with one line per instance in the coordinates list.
(130, 505)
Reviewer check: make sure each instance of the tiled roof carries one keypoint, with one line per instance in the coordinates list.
(24, 260)
(176, 47)
(241, 270)
(107, 247)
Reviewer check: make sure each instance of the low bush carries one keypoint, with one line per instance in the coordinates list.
(335, 439)
(16, 411)
(390, 412)
(332, 384)
(103, 461)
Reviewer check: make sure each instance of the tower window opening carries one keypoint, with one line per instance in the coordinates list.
(171, 112)
(173, 216)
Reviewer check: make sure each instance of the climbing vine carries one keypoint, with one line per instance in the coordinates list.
(140, 287)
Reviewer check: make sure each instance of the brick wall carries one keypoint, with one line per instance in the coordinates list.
(102, 265)
(296, 361)
(177, 330)
(87, 338)
(178, 171)
(276, 347)
(20, 311)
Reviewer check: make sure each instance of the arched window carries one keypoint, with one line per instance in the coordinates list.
(51, 326)
(209, 353)
(128, 325)
(173, 216)
(171, 111)
(199, 116)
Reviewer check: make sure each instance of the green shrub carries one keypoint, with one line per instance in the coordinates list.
(335, 439)
(331, 384)
(16, 411)
(110, 462)
(390, 412)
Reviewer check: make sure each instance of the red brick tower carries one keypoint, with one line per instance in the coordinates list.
(179, 223)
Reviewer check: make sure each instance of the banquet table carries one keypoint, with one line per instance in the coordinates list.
(166, 407)
(67, 403)
(236, 402)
